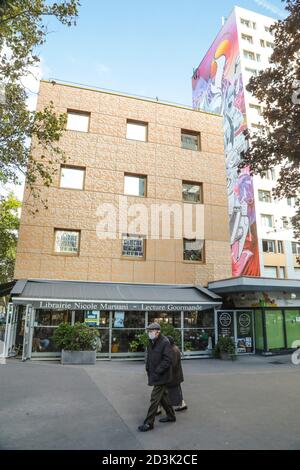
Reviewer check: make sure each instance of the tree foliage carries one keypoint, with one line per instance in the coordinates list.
(22, 31)
(278, 89)
(9, 224)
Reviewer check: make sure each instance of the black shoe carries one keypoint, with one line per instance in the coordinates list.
(167, 419)
(145, 427)
(181, 408)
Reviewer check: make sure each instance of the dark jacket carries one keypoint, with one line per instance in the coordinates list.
(159, 361)
(177, 374)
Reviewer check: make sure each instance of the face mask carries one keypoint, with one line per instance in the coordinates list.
(152, 335)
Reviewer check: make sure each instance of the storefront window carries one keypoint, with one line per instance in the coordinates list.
(99, 319)
(199, 319)
(199, 340)
(292, 320)
(102, 341)
(42, 340)
(52, 318)
(173, 318)
(121, 340)
(128, 319)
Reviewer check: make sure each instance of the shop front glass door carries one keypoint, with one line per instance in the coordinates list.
(292, 321)
(274, 329)
(244, 328)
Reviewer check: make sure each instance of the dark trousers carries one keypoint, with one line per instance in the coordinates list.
(159, 395)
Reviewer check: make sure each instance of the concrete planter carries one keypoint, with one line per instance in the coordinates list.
(225, 356)
(78, 357)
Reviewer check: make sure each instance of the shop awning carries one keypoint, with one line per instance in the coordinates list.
(109, 295)
(252, 284)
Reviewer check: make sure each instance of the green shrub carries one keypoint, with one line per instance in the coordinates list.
(225, 345)
(78, 337)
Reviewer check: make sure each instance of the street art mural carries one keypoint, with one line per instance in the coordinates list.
(218, 88)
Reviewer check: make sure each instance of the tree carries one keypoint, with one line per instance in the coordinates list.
(22, 31)
(9, 224)
(278, 89)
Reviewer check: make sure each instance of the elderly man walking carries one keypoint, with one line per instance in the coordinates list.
(159, 369)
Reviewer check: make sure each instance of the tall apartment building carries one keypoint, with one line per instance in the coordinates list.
(150, 152)
(261, 236)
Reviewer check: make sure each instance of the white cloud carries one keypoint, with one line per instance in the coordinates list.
(272, 8)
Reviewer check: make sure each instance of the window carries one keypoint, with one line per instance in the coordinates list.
(251, 71)
(135, 185)
(192, 192)
(269, 246)
(267, 29)
(270, 174)
(257, 108)
(271, 271)
(296, 248)
(67, 241)
(247, 38)
(262, 43)
(291, 201)
(280, 246)
(246, 22)
(264, 196)
(78, 121)
(190, 140)
(72, 177)
(285, 222)
(253, 25)
(133, 246)
(193, 250)
(258, 57)
(270, 44)
(249, 55)
(281, 272)
(137, 130)
(267, 220)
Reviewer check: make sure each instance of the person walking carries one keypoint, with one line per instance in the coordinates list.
(159, 369)
(174, 387)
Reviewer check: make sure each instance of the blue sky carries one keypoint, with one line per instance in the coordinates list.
(145, 48)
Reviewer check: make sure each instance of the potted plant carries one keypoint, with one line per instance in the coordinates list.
(77, 342)
(225, 349)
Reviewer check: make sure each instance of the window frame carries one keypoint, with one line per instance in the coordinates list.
(136, 175)
(82, 113)
(273, 242)
(66, 253)
(260, 191)
(73, 167)
(202, 261)
(194, 134)
(267, 215)
(134, 258)
(193, 183)
(138, 123)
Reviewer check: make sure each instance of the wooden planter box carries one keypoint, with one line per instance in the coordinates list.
(78, 357)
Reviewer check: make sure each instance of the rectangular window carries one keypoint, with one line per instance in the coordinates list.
(245, 22)
(280, 246)
(281, 272)
(247, 38)
(67, 241)
(267, 220)
(285, 222)
(271, 271)
(137, 130)
(78, 121)
(267, 29)
(296, 248)
(135, 185)
(133, 246)
(72, 177)
(264, 196)
(192, 192)
(269, 246)
(291, 201)
(249, 55)
(257, 108)
(253, 72)
(258, 57)
(193, 250)
(262, 43)
(253, 25)
(270, 44)
(190, 140)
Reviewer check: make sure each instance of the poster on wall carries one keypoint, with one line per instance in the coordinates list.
(119, 319)
(218, 88)
(244, 332)
(92, 318)
(225, 324)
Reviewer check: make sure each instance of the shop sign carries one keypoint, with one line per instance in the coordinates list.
(94, 306)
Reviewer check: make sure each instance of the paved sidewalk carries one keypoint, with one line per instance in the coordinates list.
(248, 404)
